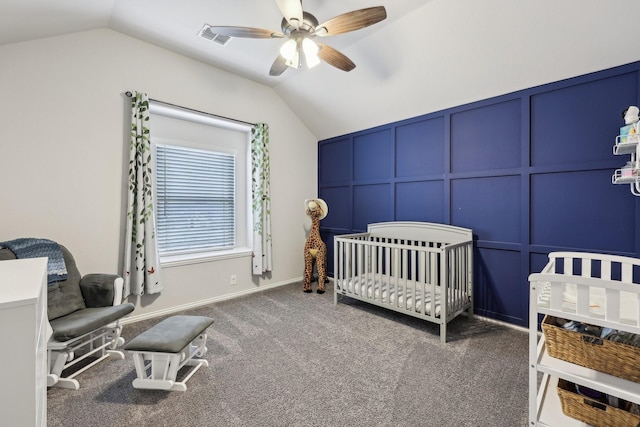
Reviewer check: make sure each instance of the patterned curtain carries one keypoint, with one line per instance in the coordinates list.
(261, 198)
(141, 261)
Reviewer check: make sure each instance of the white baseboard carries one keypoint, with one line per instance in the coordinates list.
(503, 323)
(195, 304)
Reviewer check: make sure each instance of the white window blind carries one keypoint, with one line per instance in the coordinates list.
(195, 200)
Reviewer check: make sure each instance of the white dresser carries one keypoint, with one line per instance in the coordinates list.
(23, 338)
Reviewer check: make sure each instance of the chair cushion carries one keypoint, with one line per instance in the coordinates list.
(171, 335)
(63, 297)
(86, 320)
(98, 289)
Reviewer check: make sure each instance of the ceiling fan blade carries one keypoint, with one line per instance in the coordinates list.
(335, 58)
(248, 32)
(279, 66)
(352, 21)
(291, 10)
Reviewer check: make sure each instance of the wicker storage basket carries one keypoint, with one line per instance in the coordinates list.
(591, 411)
(610, 357)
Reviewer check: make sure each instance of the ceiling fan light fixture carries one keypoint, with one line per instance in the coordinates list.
(310, 49)
(289, 49)
(294, 62)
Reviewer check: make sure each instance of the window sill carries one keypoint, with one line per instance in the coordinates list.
(185, 259)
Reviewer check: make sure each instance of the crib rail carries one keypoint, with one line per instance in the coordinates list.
(590, 286)
(413, 269)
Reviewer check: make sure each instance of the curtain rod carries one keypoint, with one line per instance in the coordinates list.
(129, 94)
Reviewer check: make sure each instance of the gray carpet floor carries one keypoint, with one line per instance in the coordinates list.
(285, 358)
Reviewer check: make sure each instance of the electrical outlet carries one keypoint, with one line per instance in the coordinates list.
(233, 279)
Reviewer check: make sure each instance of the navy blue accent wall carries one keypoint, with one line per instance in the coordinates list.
(529, 172)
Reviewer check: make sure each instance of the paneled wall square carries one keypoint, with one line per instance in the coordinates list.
(336, 164)
(420, 148)
(578, 123)
(373, 155)
(338, 201)
(371, 203)
(420, 201)
(564, 211)
(486, 137)
(490, 206)
(499, 291)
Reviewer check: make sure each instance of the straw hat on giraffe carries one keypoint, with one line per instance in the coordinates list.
(313, 203)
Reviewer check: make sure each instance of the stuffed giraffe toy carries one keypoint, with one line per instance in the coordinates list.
(315, 248)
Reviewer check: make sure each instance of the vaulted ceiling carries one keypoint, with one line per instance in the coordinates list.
(427, 55)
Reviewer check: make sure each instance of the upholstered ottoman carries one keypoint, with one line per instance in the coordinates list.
(160, 352)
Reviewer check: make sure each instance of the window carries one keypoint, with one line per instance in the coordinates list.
(201, 184)
(195, 200)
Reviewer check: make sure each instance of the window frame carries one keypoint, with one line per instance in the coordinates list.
(242, 152)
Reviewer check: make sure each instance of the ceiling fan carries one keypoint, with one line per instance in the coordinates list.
(301, 28)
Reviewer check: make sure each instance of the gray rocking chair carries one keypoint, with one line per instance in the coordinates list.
(83, 314)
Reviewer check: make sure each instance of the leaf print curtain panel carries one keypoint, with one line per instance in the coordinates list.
(261, 198)
(141, 261)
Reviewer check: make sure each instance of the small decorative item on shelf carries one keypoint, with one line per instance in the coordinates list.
(630, 131)
(629, 171)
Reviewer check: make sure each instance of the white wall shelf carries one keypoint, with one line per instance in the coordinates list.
(628, 145)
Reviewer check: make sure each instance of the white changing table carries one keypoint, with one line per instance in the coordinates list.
(548, 295)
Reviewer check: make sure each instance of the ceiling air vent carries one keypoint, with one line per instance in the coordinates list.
(206, 33)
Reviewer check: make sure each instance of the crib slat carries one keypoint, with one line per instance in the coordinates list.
(362, 267)
(444, 286)
(384, 256)
(359, 267)
(341, 257)
(372, 261)
(387, 271)
(402, 278)
(440, 277)
(455, 280)
(377, 275)
(460, 274)
(433, 267)
(347, 260)
(423, 282)
(414, 281)
(394, 273)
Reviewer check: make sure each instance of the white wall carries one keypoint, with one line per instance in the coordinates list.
(63, 145)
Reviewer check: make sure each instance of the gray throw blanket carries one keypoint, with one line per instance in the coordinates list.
(35, 248)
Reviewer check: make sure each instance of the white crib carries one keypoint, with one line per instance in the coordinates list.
(421, 269)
